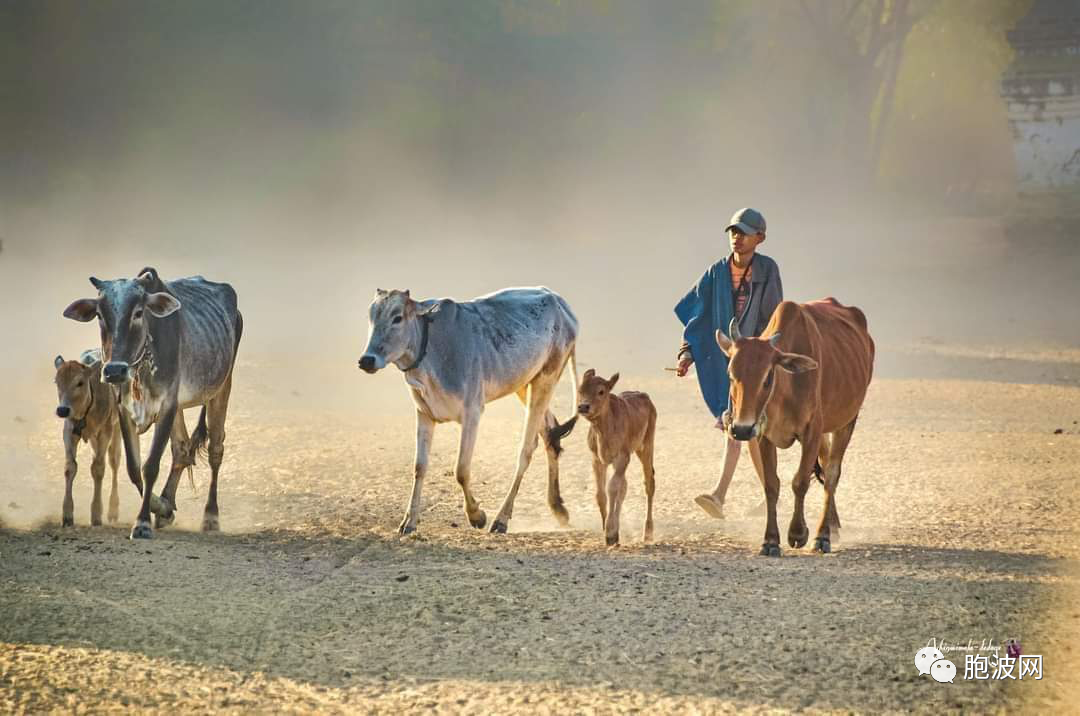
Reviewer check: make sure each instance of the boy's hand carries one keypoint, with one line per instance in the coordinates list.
(684, 365)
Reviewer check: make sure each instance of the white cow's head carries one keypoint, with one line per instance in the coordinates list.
(393, 326)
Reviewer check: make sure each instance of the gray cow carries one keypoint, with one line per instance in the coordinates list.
(167, 346)
(457, 357)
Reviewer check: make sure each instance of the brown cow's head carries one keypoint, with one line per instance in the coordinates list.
(121, 308)
(594, 394)
(752, 364)
(72, 388)
(393, 319)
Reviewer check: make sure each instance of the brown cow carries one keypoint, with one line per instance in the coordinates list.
(89, 412)
(618, 425)
(826, 359)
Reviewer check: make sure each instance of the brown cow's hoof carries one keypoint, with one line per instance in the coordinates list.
(167, 515)
(210, 522)
(770, 550)
(95, 522)
(562, 516)
(479, 521)
(405, 528)
(821, 544)
(141, 530)
(798, 540)
(612, 540)
(114, 516)
(498, 528)
(69, 522)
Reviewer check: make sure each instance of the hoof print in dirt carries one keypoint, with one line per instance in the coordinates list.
(822, 545)
(141, 530)
(498, 528)
(770, 550)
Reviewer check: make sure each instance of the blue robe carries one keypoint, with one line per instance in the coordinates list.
(705, 308)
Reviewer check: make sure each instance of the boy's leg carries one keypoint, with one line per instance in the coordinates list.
(713, 502)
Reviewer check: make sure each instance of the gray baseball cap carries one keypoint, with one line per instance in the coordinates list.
(749, 221)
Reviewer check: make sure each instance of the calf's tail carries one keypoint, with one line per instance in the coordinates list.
(559, 431)
(197, 445)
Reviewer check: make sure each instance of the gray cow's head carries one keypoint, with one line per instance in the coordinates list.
(121, 308)
(393, 319)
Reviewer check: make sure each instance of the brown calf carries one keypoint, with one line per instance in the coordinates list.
(89, 412)
(618, 425)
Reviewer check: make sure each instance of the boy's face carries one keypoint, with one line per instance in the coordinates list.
(743, 244)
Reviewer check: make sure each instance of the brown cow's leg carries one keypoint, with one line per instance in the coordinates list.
(797, 530)
(837, 448)
(599, 470)
(470, 428)
(616, 490)
(97, 472)
(771, 546)
(71, 445)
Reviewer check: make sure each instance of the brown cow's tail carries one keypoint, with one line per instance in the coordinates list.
(559, 431)
(819, 473)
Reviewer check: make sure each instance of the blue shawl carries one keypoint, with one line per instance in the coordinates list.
(705, 308)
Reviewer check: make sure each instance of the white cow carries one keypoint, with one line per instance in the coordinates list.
(457, 357)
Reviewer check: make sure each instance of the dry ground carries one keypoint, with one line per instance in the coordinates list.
(958, 501)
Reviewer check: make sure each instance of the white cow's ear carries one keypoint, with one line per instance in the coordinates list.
(724, 342)
(162, 304)
(795, 363)
(83, 310)
(58, 362)
(97, 282)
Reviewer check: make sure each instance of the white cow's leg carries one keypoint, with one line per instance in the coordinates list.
(616, 494)
(216, 411)
(425, 429)
(469, 429)
(539, 397)
(179, 442)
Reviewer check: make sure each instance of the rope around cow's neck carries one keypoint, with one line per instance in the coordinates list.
(426, 321)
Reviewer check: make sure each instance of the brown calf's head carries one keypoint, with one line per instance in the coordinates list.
(752, 364)
(72, 388)
(594, 394)
(121, 308)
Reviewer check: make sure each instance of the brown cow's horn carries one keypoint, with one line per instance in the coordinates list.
(733, 330)
(774, 339)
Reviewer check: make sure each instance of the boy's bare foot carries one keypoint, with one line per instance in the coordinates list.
(712, 506)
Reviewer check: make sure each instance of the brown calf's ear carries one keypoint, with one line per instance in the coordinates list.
(724, 342)
(83, 310)
(162, 304)
(58, 362)
(588, 374)
(795, 363)
(612, 381)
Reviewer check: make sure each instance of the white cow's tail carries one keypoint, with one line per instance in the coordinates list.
(559, 431)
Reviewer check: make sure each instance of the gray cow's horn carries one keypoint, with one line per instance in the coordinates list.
(733, 330)
(774, 339)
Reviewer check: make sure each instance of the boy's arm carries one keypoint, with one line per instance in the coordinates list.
(772, 297)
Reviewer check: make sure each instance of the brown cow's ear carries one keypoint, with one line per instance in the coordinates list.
(724, 342)
(612, 381)
(162, 304)
(83, 310)
(588, 374)
(795, 363)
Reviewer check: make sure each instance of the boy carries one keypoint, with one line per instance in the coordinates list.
(745, 285)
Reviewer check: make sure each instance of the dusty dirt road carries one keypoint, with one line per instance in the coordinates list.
(959, 504)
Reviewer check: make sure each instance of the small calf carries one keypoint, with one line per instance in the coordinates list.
(90, 414)
(618, 425)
